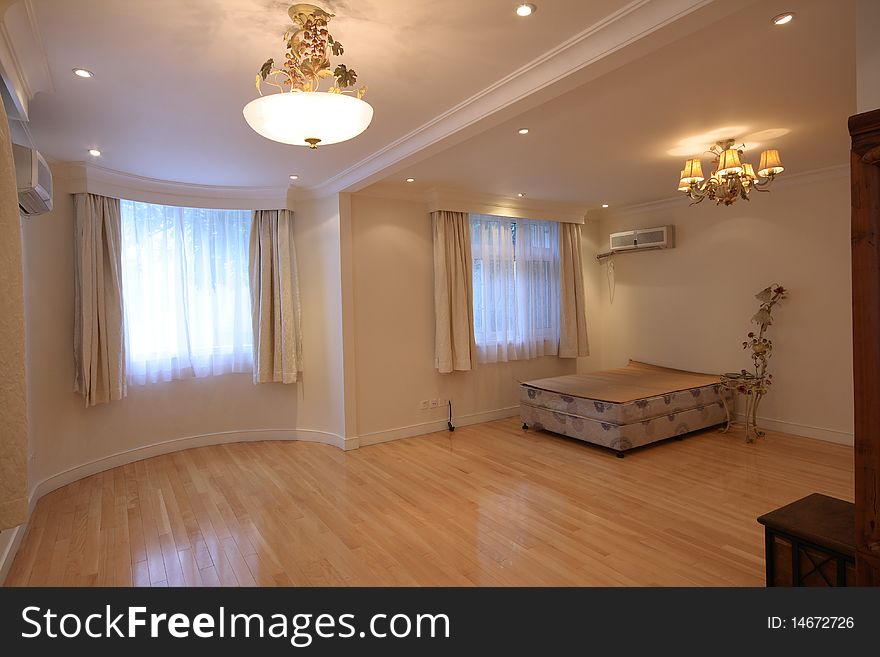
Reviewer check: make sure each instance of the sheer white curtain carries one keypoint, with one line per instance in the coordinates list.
(537, 287)
(495, 326)
(187, 299)
(516, 288)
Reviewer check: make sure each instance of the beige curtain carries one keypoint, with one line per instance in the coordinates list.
(275, 304)
(13, 400)
(572, 303)
(454, 345)
(99, 336)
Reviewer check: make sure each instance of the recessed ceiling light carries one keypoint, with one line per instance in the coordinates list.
(294, 177)
(523, 131)
(83, 73)
(94, 152)
(782, 19)
(410, 180)
(604, 205)
(526, 9)
(520, 194)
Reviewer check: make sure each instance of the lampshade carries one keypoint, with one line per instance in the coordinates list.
(683, 184)
(728, 162)
(748, 171)
(693, 172)
(303, 116)
(770, 163)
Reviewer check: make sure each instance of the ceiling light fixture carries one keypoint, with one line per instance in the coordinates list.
(83, 73)
(523, 131)
(520, 194)
(94, 152)
(294, 177)
(526, 9)
(300, 113)
(783, 19)
(410, 180)
(604, 205)
(732, 178)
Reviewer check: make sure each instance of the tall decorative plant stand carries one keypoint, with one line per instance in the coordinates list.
(753, 389)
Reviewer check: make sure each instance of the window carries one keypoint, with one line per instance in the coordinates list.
(516, 287)
(185, 291)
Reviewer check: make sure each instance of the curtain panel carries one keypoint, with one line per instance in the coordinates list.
(275, 301)
(13, 397)
(454, 345)
(99, 336)
(573, 340)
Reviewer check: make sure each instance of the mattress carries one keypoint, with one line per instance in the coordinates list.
(624, 408)
(634, 393)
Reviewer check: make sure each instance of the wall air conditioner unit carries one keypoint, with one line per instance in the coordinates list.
(643, 238)
(34, 181)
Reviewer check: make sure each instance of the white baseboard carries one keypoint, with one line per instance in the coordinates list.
(17, 534)
(805, 430)
(435, 425)
(186, 442)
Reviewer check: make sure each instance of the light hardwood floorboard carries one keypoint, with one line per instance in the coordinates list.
(487, 505)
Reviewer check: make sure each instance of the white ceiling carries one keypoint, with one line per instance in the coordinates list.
(622, 138)
(172, 76)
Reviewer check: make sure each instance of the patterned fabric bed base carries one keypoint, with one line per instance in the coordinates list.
(625, 436)
(637, 410)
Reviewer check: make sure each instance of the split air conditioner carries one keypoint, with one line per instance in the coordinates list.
(34, 181)
(643, 238)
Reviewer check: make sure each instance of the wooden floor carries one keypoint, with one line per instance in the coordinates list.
(486, 505)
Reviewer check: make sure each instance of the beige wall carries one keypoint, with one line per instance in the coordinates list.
(394, 331)
(867, 55)
(689, 307)
(66, 435)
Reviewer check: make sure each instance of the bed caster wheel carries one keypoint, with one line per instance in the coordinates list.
(620, 455)
(525, 427)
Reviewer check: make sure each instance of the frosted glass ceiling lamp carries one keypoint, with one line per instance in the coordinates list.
(308, 118)
(301, 113)
(732, 178)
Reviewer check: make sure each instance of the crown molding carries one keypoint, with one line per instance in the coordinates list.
(789, 180)
(23, 60)
(521, 208)
(85, 177)
(631, 23)
(459, 200)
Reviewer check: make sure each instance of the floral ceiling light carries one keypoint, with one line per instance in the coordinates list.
(732, 178)
(300, 113)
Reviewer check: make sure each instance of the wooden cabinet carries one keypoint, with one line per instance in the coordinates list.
(810, 542)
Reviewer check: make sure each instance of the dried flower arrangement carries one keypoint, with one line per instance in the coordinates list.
(754, 385)
(761, 346)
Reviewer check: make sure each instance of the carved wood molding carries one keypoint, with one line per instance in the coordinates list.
(865, 183)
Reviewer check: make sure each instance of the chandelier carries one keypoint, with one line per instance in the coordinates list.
(300, 113)
(732, 178)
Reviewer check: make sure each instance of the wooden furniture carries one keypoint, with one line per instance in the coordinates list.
(810, 542)
(865, 182)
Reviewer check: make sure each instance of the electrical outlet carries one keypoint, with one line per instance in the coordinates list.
(434, 403)
(423, 405)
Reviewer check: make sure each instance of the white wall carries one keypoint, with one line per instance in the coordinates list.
(394, 332)
(689, 307)
(64, 434)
